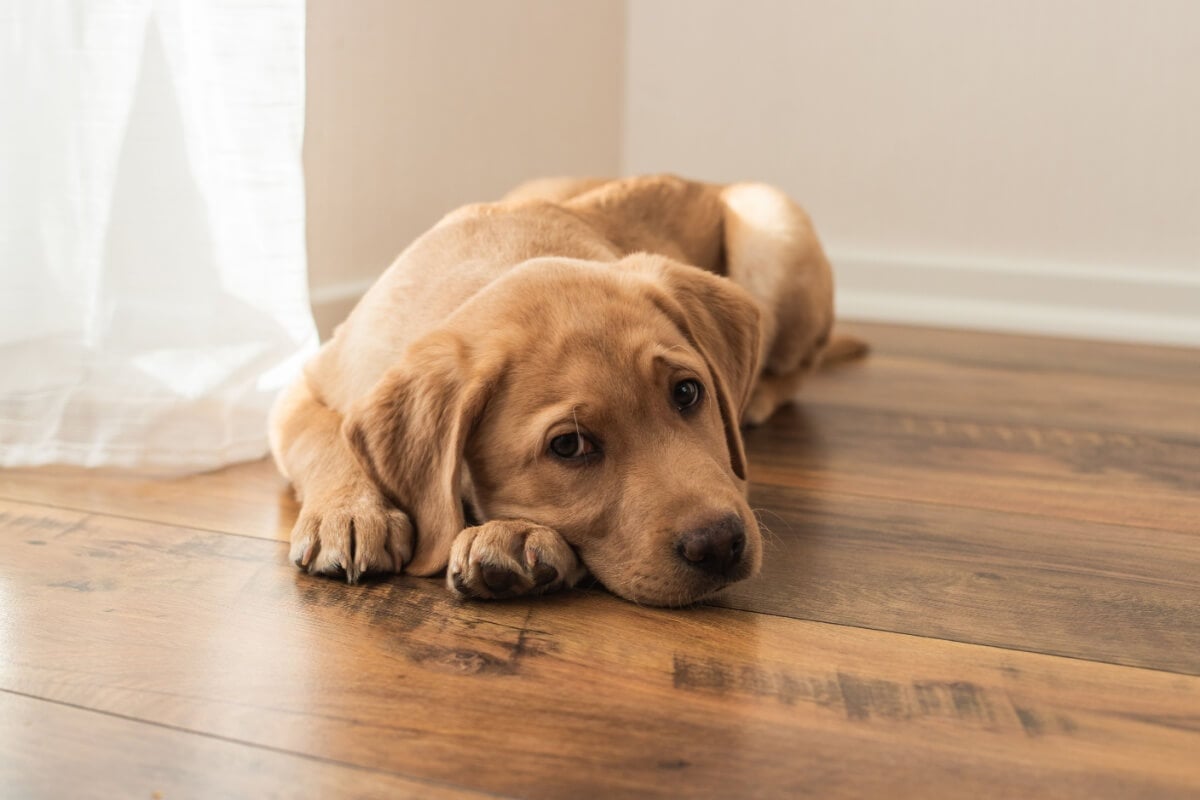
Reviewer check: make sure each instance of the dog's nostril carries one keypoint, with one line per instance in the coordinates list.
(694, 548)
(715, 548)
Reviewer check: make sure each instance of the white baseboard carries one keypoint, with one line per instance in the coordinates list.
(1127, 305)
(331, 304)
(1016, 297)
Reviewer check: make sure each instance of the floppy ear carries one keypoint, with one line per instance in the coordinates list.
(722, 321)
(409, 435)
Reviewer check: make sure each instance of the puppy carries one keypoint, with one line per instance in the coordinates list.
(553, 385)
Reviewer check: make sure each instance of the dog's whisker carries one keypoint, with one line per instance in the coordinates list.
(775, 514)
(771, 541)
(762, 523)
(634, 586)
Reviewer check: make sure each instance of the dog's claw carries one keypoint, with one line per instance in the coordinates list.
(352, 539)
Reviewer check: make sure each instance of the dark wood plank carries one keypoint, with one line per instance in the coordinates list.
(1011, 397)
(1032, 355)
(563, 696)
(1102, 592)
(1127, 479)
(50, 750)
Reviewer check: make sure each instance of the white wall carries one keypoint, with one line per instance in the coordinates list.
(416, 107)
(1027, 164)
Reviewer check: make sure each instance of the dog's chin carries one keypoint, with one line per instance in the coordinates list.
(674, 593)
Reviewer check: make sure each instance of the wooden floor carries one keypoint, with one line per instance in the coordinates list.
(982, 579)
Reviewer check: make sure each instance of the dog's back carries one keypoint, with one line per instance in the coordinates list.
(588, 219)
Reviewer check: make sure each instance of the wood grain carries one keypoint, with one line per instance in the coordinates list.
(1024, 354)
(982, 577)
(1113, 478)
(1108, 593)
(249, 499)
(217, 634)
(51, 750)
(1083, 430)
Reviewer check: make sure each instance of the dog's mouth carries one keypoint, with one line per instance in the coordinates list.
(678, 590)
(676, 599)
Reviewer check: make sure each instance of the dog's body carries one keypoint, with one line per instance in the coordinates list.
(570, 365)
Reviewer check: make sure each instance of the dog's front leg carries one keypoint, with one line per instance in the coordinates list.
(510, 558)
(345, 526)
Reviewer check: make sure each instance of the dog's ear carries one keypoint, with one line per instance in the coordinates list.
(723, 322)
(409, 435)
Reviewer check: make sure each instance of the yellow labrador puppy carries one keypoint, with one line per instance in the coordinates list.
(553, 385)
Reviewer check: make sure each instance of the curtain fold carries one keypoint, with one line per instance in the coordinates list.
(153, 289)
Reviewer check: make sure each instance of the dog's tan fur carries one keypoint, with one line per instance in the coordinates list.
(571, 305)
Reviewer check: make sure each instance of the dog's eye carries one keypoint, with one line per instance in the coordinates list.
(572, 446)
(686, 394)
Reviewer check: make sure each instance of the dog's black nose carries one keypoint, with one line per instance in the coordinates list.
(716, 548)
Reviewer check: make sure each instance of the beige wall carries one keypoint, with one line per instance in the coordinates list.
(418, 106)
(1027, 164)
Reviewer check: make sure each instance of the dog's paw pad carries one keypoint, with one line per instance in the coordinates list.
(544, 574)
(499, 580)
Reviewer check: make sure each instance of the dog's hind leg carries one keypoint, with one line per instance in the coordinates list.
(772, 251)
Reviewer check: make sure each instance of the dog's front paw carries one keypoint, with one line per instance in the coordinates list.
(351, 536)
(509, 558)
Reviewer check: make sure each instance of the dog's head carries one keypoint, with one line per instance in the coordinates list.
(601, 401)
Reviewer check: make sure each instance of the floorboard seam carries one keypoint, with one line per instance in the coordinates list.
(966, 643)
(254, 745)
(945, 504)
(94, 513)
(1173, 438)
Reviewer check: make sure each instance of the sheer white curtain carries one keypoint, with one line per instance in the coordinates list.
(153, 294)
